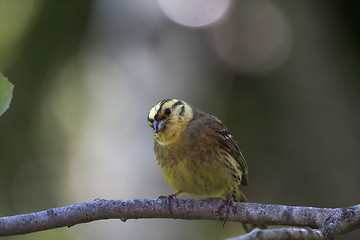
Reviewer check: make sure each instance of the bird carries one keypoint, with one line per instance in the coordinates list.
(196, 153)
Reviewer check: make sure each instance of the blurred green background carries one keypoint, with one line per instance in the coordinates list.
(282, 75)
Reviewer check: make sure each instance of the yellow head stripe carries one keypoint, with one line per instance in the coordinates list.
(166, 103)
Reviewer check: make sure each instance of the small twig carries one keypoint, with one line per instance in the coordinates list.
(282, 234)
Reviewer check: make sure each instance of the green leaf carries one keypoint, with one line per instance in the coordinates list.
(6, 89)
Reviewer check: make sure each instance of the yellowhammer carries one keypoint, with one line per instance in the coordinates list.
(196, 153)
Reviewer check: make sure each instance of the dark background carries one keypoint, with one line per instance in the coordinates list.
(283, 76)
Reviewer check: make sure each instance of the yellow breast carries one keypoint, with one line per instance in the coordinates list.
(189, 169)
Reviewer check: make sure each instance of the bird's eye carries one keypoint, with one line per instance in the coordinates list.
(167, 111)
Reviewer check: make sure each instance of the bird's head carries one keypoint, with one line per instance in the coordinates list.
(169, 119)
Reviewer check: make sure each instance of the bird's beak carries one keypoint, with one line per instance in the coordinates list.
(158, 126)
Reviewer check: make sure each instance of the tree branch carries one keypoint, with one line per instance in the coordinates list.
(321, 223)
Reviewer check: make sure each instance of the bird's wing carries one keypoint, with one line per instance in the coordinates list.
(229, 145)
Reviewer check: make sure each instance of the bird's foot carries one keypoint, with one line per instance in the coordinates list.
(229, 203)
(170, 197)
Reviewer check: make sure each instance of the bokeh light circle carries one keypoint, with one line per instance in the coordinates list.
(194, 13)
(255, 37)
